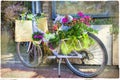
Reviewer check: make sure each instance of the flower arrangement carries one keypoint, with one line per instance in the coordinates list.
(74, 29)
(37, 36)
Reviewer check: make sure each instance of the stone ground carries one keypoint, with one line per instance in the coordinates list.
(11, 67)
(17, 70)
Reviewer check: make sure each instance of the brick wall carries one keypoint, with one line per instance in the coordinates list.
(47, 9)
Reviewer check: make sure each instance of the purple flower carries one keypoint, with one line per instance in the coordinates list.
(42, 33)
(80, 14)
(65, 20)
(50, 46)
(35, 36)
(40, 37)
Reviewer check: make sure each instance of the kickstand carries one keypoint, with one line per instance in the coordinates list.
(60, 60)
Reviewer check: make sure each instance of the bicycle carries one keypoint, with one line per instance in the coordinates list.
(81, 62)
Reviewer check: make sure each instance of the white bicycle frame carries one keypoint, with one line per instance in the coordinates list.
(55, 51)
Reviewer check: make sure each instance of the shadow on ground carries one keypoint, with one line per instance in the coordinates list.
(17, 70)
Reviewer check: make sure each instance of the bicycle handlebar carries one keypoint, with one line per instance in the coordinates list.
(25, 16)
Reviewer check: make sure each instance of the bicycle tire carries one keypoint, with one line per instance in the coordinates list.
(27, 57)
(80, 72)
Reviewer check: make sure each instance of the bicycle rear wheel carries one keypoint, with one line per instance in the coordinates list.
(94, 60)
(29, 54)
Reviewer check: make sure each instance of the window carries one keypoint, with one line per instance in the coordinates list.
(93, 8)
(36, 7)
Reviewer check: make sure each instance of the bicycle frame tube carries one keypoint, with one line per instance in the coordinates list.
(29, 44)
(35, 26)
(57, 55)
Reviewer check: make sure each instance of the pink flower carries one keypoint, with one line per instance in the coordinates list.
(80, 14)
(87, 23)
(82, 19)
(65, 20)
(55, 27)
(74, 19)
(87, 17)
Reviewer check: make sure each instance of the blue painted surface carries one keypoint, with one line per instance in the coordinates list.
(33, 7)
(36, 7)
(54, 15)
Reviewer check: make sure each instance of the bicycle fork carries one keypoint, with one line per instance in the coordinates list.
(60, 61)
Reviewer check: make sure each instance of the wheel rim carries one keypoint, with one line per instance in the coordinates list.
(32, 58)
(89, 67)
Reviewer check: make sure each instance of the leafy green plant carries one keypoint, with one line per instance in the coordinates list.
(77, 31)
(30, 16)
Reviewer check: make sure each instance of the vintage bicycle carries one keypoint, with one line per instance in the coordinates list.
(83, 61)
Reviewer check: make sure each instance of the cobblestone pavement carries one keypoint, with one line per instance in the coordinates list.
(17, 70)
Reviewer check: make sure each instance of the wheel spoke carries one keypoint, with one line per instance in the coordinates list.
(30, 57)
(93, 63)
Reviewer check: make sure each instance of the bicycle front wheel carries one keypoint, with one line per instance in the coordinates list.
(94, 60)
(29, 54)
